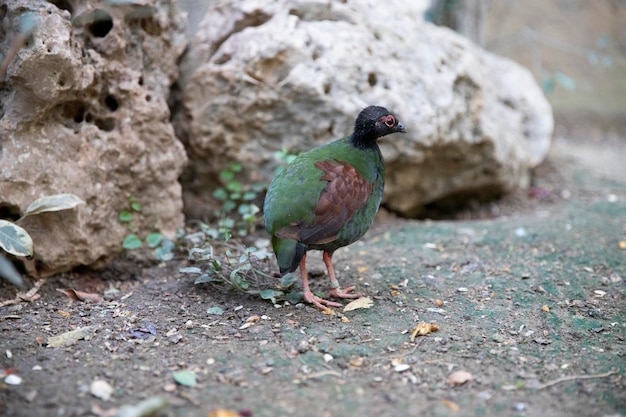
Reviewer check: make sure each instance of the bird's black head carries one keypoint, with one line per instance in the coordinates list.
(372, 123)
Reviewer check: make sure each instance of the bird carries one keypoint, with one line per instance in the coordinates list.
(327, 198)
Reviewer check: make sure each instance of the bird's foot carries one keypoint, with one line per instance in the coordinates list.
(345, 293)
(319, 302)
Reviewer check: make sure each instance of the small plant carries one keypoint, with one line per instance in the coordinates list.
(155, 240)
(16, 241)
(238, 211)
(229, 262)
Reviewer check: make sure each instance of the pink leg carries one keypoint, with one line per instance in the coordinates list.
(335, 290)
(308, 295)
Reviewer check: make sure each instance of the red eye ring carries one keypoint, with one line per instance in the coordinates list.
(390, 121)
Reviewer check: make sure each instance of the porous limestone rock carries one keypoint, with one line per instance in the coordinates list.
(84, 111)
(262, 75)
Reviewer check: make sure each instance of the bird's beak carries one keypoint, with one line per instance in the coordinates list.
(401, 128)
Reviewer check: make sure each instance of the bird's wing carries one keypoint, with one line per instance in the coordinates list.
(345, 193)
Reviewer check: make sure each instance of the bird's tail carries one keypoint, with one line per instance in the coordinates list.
(289, 253)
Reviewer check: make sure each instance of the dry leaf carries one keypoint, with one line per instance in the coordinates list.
(80, 295)
(357, 362)
(223, 413)
(64, 313)
(253, 319)
(422, 329)
(67, 338)
(438, 302)
(362, 269)
(344, 319)
(545, 308)
(459, 378)
(451, 405)
(363, 302)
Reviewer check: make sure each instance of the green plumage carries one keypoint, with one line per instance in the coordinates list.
(327, 198)
(295, 191)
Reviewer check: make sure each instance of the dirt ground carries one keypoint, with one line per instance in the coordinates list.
(528, 293)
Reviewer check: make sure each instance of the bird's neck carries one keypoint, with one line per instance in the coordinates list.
(362, 141)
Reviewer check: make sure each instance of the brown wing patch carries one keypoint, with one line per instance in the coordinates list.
(346, 192)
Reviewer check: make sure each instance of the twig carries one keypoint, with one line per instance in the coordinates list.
(575, 377)
(30, 296)
(321, 373)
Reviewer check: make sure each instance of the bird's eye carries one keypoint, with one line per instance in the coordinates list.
(390, 121)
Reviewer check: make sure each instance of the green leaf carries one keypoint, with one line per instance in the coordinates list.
(270, 295)
(15, 240)
(287, 280)
(227, 223)
(220, 194)
(216, 265)
(8, 272)
(153, 239)
(163, 254)
(131, 241)
(236, 167)
(565, 81)
(248, 196)
(190, 270)
(215, 310)
(134, 204)
(203, 279)
(55, 202)
(164, 251)
(233, 186)
(294, 297)
(226, 175)
(238, 281)
(186, 378)
(125, 216)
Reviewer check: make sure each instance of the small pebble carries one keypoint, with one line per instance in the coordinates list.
(303, 346)
(519, 407)
(462, 289)
(13, 379)
(401, 367)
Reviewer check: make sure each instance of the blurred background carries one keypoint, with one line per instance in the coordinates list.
(576, 50)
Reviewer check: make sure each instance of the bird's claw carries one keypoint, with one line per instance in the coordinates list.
(345, 293)
(319, 302)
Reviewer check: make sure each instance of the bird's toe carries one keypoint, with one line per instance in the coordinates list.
(342, 293)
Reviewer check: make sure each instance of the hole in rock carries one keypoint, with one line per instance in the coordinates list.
(9, 212)
(101, 24)
(107, 124)
(111, 103)
(62, 4)
(74, 110)
(372, 79)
